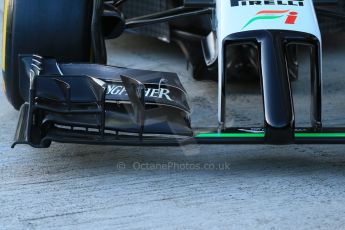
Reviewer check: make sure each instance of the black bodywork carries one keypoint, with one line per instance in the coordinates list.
(272, 46)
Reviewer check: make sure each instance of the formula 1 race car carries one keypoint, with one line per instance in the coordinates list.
(54, 67)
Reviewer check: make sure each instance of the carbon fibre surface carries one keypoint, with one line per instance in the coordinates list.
(137, 8)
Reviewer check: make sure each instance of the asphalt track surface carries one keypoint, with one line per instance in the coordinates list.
(191, 187)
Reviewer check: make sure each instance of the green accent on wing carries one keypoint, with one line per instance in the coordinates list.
(261, 18)
(231, 135)
(262, 135)
(319, 135)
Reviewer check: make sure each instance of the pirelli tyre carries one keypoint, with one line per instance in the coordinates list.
(50, 28)
(333, 24)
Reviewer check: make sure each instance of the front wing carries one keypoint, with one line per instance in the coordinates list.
(95, 104)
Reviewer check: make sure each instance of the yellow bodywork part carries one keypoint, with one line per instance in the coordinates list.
(4, 35)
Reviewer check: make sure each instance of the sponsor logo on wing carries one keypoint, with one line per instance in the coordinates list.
(119, 90)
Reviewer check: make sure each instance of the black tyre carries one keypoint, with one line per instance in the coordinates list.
(56, 28)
